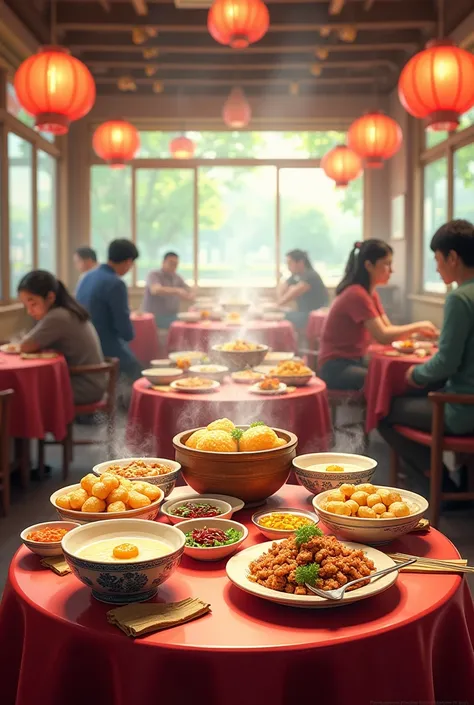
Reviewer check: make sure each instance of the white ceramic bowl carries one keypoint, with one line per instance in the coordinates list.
(165, 482)
(189, 316)
(246, 380)
(215, 553)
(46, 548)
(162, 375)
(360, 469)
(275, 534)
(273, 316)
(166, 362)
(218, 373)
(194, 355)
(373, 531)
(131, 581)
(149, 512)
(226, 508)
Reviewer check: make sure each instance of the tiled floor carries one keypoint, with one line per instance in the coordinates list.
(34, 506)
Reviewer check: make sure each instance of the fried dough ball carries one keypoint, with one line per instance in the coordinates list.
(139, 486)
(77, 499)
(360, 497)
(110, 481)
(221, 425)
(353, 506)
(137, 500)
(118, 495)
(387, 515)
(63, 501)
(399, 509)
(374, 499)
(125, 482)
(217, 441)
(393, 497)
(151, 491)
(116, 507)
(379, 508)
(93, 504)
(366, 513)
(338, 508)
(100, 490)
(258, 438)
(88, 481)
(125, 550)
(384, 496)
(194, 437)
(366, 487)
(336, 496)
(347, 489)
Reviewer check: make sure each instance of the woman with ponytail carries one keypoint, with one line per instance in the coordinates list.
(305, 287)
(64, 326)
(357, 316)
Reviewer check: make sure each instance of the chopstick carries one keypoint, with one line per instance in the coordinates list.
(454, 565)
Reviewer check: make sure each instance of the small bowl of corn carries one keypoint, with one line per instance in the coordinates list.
(282, 522)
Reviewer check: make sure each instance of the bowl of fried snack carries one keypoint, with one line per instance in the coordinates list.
(318, 472)
(240, 354)
(282, 522)
(157, 471)
(107, 497)
(368, 513)
(292, 372)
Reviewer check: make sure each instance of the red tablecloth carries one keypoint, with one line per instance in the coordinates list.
(316, 323)
(412, 643)
(385, 380)
(202, 336)
(145, 345)
(43, 401)
(155, 417)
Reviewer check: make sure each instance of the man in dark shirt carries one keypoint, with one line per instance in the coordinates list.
(164, 290)
(305, 287)
(103, 293)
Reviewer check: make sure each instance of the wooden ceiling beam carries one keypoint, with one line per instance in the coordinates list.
(322, 81)
(283, 66)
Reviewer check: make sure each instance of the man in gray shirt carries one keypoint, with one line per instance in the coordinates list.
(163, 291)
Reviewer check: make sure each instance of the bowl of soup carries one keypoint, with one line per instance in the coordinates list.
(318, 472)
(123, 560)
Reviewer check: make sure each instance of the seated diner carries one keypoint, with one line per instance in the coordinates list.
(304, 288)
(164, 291)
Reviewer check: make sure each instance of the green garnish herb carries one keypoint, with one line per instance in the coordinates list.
(305, 533)
(237, 434)
(257, 423)
(307, 574)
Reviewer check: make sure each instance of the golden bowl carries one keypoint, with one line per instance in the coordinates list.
(250, 476)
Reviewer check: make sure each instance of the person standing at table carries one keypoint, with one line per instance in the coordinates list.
(451, 369)
(62, 325)
(103, 293)
(163, 291)
(357, 316)
(305, 287)
(85, 260)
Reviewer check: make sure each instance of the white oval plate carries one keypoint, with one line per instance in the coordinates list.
(255, 389)
(6, 349)
(237, 570)
(195, 390)
(187, 493)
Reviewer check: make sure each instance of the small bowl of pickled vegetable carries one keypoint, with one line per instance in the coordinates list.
(197, 508)
(212, 539)
(45, 538)
(283, 522)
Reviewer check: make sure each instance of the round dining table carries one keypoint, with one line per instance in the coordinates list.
(412, 643)
(43, 401)
(278, 335)
(385, 380)
(156, 416)
(145, 345)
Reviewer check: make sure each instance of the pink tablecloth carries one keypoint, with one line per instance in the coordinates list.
(412, 643)
(385, 380)
(156, 417)
(316, 323)
(43, 401)
(145, 345)
(202, 336)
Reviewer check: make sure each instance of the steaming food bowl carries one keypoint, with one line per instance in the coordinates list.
(224, 507)
(289, 380)
(163, 375)
(212, 553)
(46, 548)
(210, 371)
(130, 581)
(166, 482)
(240, 359)
(149, 512)
(251, 476)
(372, 531)
(195, 356)
(166, 362)
(311, 474)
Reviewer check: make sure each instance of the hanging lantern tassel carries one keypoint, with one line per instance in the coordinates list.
(116, 142)
(236, 112)
(437, 85)
(375, 137)
(238, 23)
(342, 165)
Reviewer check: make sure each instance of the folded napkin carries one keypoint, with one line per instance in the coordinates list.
(139, 619)
(57, 564)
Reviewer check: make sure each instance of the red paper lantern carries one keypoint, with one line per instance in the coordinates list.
(342, 165)
(375, 137)
(116, 142)
(437, 85)
(182, 148)
(238, 23)
(236, 112)
(55, 87)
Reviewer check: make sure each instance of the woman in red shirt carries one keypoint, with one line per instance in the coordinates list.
(357, 317)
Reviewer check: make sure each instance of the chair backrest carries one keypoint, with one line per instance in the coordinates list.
(5, 410)
(110, 367)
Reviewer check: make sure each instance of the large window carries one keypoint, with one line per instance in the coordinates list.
(111, 211)
(435, 213)
(463, 203)
(46, 189)
(20, 204)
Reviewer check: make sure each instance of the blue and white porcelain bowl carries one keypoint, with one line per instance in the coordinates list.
(310, 470)
(166, 482)
(133, 581)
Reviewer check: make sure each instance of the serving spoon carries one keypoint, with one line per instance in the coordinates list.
(338, 594)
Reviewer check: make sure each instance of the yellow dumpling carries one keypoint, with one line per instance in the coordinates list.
(374, 499)
(110, 481)
(137, 500)
(221, 425)
(77, 499)
(118, 495)
(366, 487)
(366, 513)
(100, 490)
(258, 438)
(379, 508)
(338, 508)
(399, 509)
(347, 489)
(194, 437)
(387, 515)
(63, 501)
(151, 491)
(88, 481)
(353, 506)
(336, 496)
(393, 497)
(125, 482)
(93, 504)
(116, 507)
(360, 497)
(218, 442)
(384, 496)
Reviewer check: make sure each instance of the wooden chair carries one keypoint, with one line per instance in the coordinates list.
(5, 409)
(338, 398)
(438, 443)
(106, 406)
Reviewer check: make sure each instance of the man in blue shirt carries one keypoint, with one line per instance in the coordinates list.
(103, 293)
